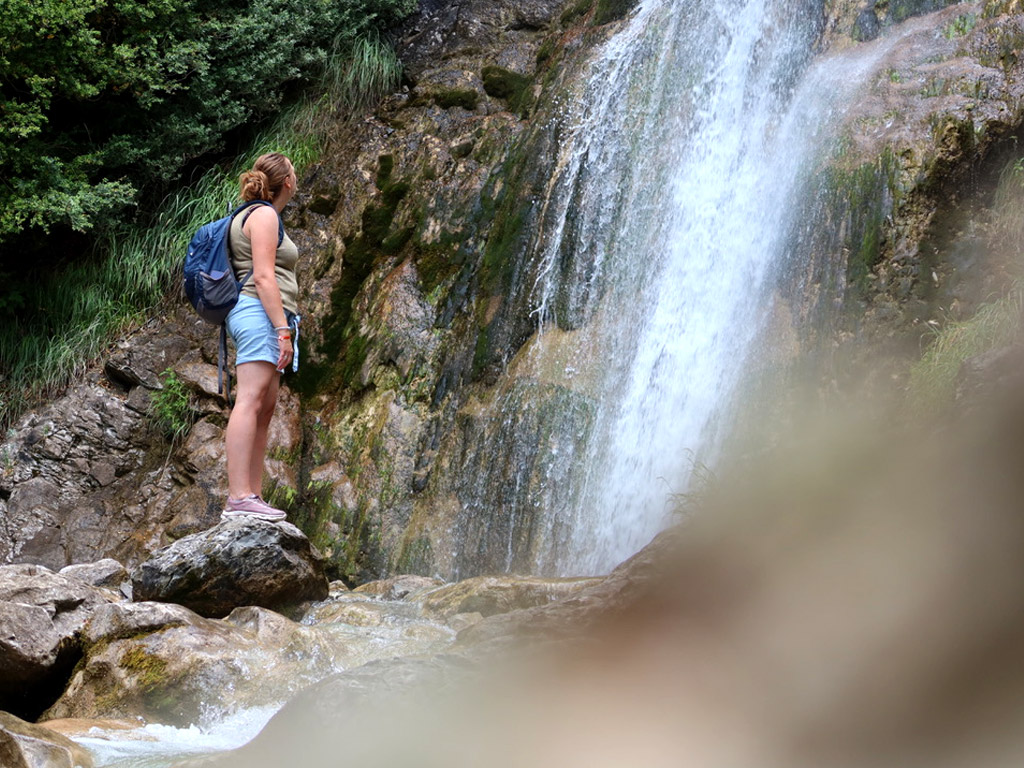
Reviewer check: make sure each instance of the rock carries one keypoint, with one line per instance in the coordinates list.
(24, 745)
(128, 619)
(237, 563)
(40, 615)
(103, 573)
(398, 587)
(167, 664)
(490, 595)
(997, 373)
(461, 621)
(337, 710)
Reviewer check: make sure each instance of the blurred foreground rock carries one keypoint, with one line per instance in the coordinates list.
(855, 600)
(23, 745)
(237, 563)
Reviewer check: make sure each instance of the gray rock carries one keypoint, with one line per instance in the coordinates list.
(103, 573)
(167, 664)
(40, 615)
(491, 595)
(127, 619)
(399, 587)
(24, 745)
(237, 563)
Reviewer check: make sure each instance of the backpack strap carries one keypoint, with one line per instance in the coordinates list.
(249, 208)
(223, 378)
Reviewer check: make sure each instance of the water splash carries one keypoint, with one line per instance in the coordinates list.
(162, 746)
(670, 212)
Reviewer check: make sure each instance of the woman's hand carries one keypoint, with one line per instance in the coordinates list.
(285, 351)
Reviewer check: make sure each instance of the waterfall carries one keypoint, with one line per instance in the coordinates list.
(669, 211)
(678, 185)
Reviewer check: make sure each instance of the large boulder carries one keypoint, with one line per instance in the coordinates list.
(40, 615)
(23, 745)
(167, 664)
(237, 563)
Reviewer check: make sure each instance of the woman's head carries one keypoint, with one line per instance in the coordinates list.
(268, 177)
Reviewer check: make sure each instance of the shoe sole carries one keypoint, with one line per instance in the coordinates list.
(232, 515)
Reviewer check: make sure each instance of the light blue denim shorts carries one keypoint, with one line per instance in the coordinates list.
(254, 334)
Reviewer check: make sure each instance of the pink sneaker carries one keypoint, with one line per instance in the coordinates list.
(251, 506)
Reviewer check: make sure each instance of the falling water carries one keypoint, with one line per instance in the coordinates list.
(668, 216)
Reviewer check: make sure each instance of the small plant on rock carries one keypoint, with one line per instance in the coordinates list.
(171, 408)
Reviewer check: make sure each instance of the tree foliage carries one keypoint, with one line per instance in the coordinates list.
(100, 99)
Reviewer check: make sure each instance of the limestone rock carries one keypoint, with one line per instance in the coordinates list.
(24, 745)
(127, 619)
(490, 595)
(399, 587)
(169, 665)
(40, 615)
(103, 573)
(237, 563)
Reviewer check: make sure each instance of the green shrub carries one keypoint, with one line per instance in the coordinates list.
(102, 98)
(171, 409)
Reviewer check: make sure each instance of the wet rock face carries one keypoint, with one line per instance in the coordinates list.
(237, 563)
(40, 616)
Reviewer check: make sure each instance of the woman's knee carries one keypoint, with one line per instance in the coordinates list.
(252, 400)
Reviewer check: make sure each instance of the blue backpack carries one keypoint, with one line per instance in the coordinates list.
(210, 282)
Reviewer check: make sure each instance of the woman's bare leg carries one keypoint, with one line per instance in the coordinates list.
(259, 444)
(243, 442)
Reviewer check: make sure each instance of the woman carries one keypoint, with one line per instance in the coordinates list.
(263, 325)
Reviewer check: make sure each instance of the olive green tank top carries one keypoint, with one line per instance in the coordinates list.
(284, 265)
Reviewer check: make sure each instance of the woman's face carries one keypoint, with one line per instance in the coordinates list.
(290, 183)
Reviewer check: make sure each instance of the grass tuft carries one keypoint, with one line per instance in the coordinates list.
(994, 325)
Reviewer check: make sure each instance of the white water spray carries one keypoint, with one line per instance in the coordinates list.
(674, 190)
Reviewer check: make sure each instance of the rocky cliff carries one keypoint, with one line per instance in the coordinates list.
(419, 232)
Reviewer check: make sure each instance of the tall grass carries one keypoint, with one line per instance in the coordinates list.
(85, 305)
(933, 377)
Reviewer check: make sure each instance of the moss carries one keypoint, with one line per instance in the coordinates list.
(361, 252)
(385, 167)
(612, 10)
(511, 86)
(995, 8)
(900, 10)
(501, 249)
(462, 149)
(467, 98)
(415, 556)
(435, 263)
(866, 193)
(574, 11)
(394, 242)
(149, 671)
(546, 51)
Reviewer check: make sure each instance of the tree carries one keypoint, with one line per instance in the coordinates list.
(100, 99)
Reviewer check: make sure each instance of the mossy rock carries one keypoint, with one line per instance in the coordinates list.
(467, 98)
(608, 11)
(574, 11)
(513, 87)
